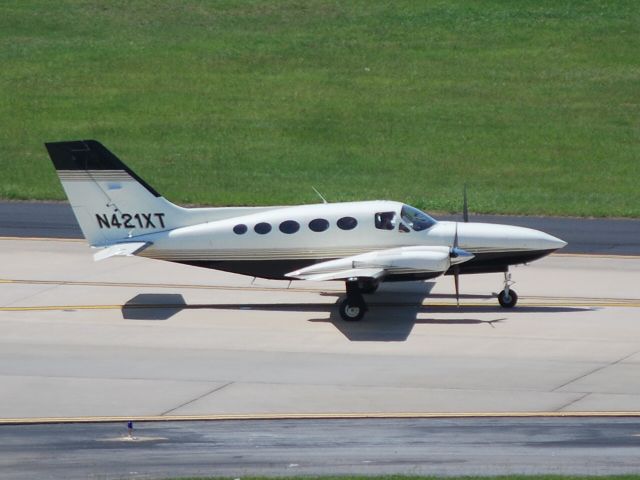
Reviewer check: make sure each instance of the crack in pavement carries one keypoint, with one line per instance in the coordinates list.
(596, 370)
(217, 389)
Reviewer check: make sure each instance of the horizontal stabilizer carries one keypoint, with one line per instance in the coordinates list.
(121, 250)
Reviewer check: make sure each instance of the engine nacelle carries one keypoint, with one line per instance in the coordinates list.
(434, 259)
(377, 264)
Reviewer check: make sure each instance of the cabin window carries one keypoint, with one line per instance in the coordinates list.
(262, 228)
(240, 229)
(347, 223)
(416, 219)
(289, 226)
(319, 225)
(385, 220)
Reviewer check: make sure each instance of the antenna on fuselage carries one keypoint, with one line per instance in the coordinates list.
(324, 200)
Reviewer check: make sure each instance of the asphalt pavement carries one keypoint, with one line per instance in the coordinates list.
(584, 235)
(467, 446)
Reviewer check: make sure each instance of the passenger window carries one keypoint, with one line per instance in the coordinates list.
(385, 220)
(319, 225)
(347, 223)
(240, 229)
(289, 226)
(262, 228)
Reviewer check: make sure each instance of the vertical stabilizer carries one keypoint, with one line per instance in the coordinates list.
(110, 201)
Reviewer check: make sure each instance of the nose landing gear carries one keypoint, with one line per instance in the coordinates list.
(508, 297)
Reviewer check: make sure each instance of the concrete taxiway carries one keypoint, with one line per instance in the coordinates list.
(133, 337)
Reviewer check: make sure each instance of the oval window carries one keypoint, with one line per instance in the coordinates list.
(289, 226)
(347, 223)
(240, 229)
(262, 228)
(319, 225)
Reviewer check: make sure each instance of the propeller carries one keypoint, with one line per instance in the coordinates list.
(456, 281)
(454, 253)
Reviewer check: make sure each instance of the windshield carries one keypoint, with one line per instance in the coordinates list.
(416, 219)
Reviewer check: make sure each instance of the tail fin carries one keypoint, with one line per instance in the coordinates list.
(110, 202)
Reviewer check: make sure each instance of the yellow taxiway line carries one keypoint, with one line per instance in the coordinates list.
(596, 255)
(45, 239)
(453, 306)
(311, 416)
(529, 301)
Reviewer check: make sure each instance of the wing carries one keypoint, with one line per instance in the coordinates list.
(380, 263)
(121, 249)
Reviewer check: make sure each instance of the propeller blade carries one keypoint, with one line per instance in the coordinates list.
(465, 209)
(454, 251)
(456, 279)
(455, 237)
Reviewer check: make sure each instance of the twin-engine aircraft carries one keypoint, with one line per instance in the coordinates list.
(360, 243)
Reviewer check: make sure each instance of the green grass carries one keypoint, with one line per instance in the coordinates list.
(536, 105)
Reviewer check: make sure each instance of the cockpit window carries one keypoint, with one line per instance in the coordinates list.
(416, 219)
(385, 220)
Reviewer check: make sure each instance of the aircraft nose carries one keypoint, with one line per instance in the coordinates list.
(494, 237)
(539, 240)
(548, 242)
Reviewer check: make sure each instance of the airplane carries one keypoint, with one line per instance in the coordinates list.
(360, 243)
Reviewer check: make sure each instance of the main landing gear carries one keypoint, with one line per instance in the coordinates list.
(508, 297)
(354, 307)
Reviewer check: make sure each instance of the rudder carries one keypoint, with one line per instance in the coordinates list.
(110, 202)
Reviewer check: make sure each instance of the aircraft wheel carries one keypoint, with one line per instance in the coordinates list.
(508, 300)
(368, 287)
(351, 313)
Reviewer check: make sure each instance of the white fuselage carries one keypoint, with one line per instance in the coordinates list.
(284, 247)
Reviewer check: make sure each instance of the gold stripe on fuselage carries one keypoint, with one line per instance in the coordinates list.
(271, 254)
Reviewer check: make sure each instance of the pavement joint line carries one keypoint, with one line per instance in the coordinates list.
(574, 401)
(199, 397)
(72, 283)
(312, 416)
(596, 370)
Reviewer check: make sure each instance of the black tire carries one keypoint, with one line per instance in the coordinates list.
(368, 288)
(508, 301)
(351, 313)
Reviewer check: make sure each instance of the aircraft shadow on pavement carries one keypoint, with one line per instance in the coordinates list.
(153, 306)
(392, 324)
(391, 315)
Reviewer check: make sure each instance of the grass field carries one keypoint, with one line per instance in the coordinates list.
(536, 105)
